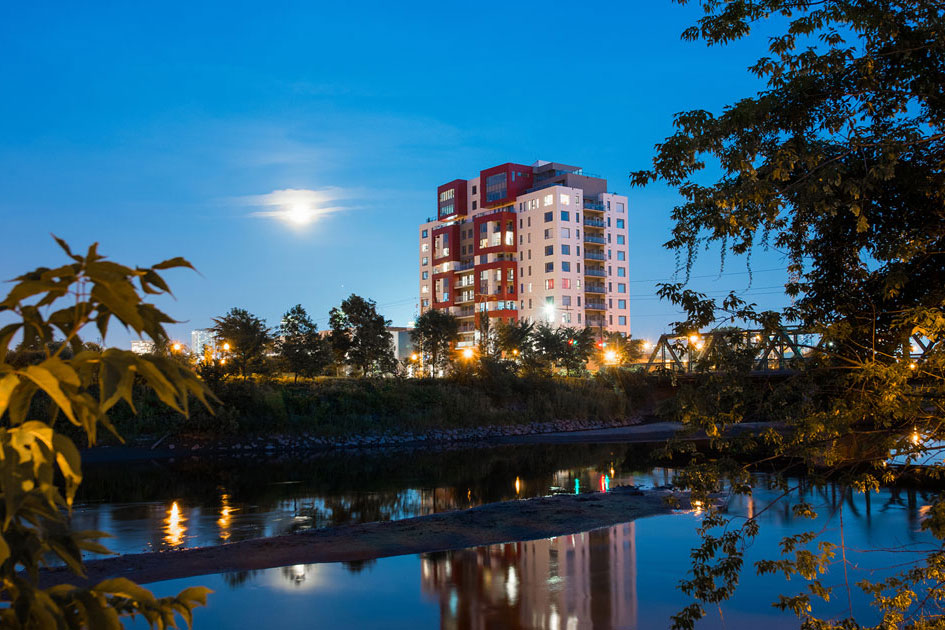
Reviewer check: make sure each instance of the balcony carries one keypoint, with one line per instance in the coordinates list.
(595, 306)
(593, 205)
(593, 255)
(600, 240)
(595, 323)
(465, 266)
(597, 273)
(594, 288)
(594, 223)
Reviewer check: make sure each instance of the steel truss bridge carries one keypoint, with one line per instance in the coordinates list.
(781, 350)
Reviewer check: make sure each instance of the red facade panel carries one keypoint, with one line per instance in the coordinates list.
(451, 235)
(447, 277)
(500, 185)
(451, 200)
(507, 221)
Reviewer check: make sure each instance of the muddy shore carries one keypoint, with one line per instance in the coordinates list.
(487, 524)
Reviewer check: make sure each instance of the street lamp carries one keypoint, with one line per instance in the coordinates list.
(610, 357)
(176, 347)
(467, 353)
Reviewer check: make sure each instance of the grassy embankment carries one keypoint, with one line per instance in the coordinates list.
(334, 407)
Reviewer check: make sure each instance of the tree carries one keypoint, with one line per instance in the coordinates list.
(514, 339)
(80, 388)
(248, 338)
(837, 163)
(359, 337)
(302, 350)
(435, 333)
(576, 346)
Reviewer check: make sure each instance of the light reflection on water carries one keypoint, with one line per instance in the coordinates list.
(197, 504)
(624, 576)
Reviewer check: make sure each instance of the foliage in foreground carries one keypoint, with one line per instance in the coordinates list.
(82, 385)
(838, 164)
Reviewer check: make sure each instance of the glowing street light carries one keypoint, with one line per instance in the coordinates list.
(610, 357)
(226, 346)
(467, 353)
(414, 357)
(176, 347)
(693, 338)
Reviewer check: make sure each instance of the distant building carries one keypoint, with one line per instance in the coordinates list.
(539, 243)
(200, 338)
(140, 346)
(403, 346)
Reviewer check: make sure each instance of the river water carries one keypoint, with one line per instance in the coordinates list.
(618, 577)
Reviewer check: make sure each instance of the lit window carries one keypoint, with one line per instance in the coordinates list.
(425, 247)
(565, 317)
(565, 232)
(425, 260)
(564, 200)
(532, 204)
(529, 287)
(549, 199)
(426, 302)
(510, 238)
(446, 195)
(425, 289)
(549, 284)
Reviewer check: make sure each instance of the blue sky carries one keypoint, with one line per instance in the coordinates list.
(165, 129)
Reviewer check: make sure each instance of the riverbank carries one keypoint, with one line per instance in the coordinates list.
(337, 410)
(487, 524)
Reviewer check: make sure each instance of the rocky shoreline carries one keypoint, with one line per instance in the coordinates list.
(170, 446)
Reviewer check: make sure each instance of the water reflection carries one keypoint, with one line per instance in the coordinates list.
(174, 530)
(160, 505)
(577, 582)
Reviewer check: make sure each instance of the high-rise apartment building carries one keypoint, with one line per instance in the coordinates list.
(545, 242)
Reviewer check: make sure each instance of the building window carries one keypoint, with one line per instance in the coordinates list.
(474, 189)
(549, 266)
(620, 207)
(566, 283)
(549, 284)
(564, 199)
(426, 302)
(496, 187)
(566, 250)
(475, 204)
(549, 250)
(548, 233)
(621, 240)
(446, 195)
(532, 204)
(565, 317)
(549, 217)
(550, 299)
(622, 320)
(529, 287)
(621, 255)
(529, 303)
(565, 232)
(622, 304)
(620, 224)
(521, 289)
(621, 287)
(549, 199)
(579, 300)
(621, 272)
(426, 260)
(426, 274)
(565, 215)
(425, 233)
(425, 247)
(424, 289)
(565, 265)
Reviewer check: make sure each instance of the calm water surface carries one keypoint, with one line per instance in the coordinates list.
(618, 577)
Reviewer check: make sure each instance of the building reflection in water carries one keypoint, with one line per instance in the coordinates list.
(572, 582)
(226, 517)
(174, 529)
